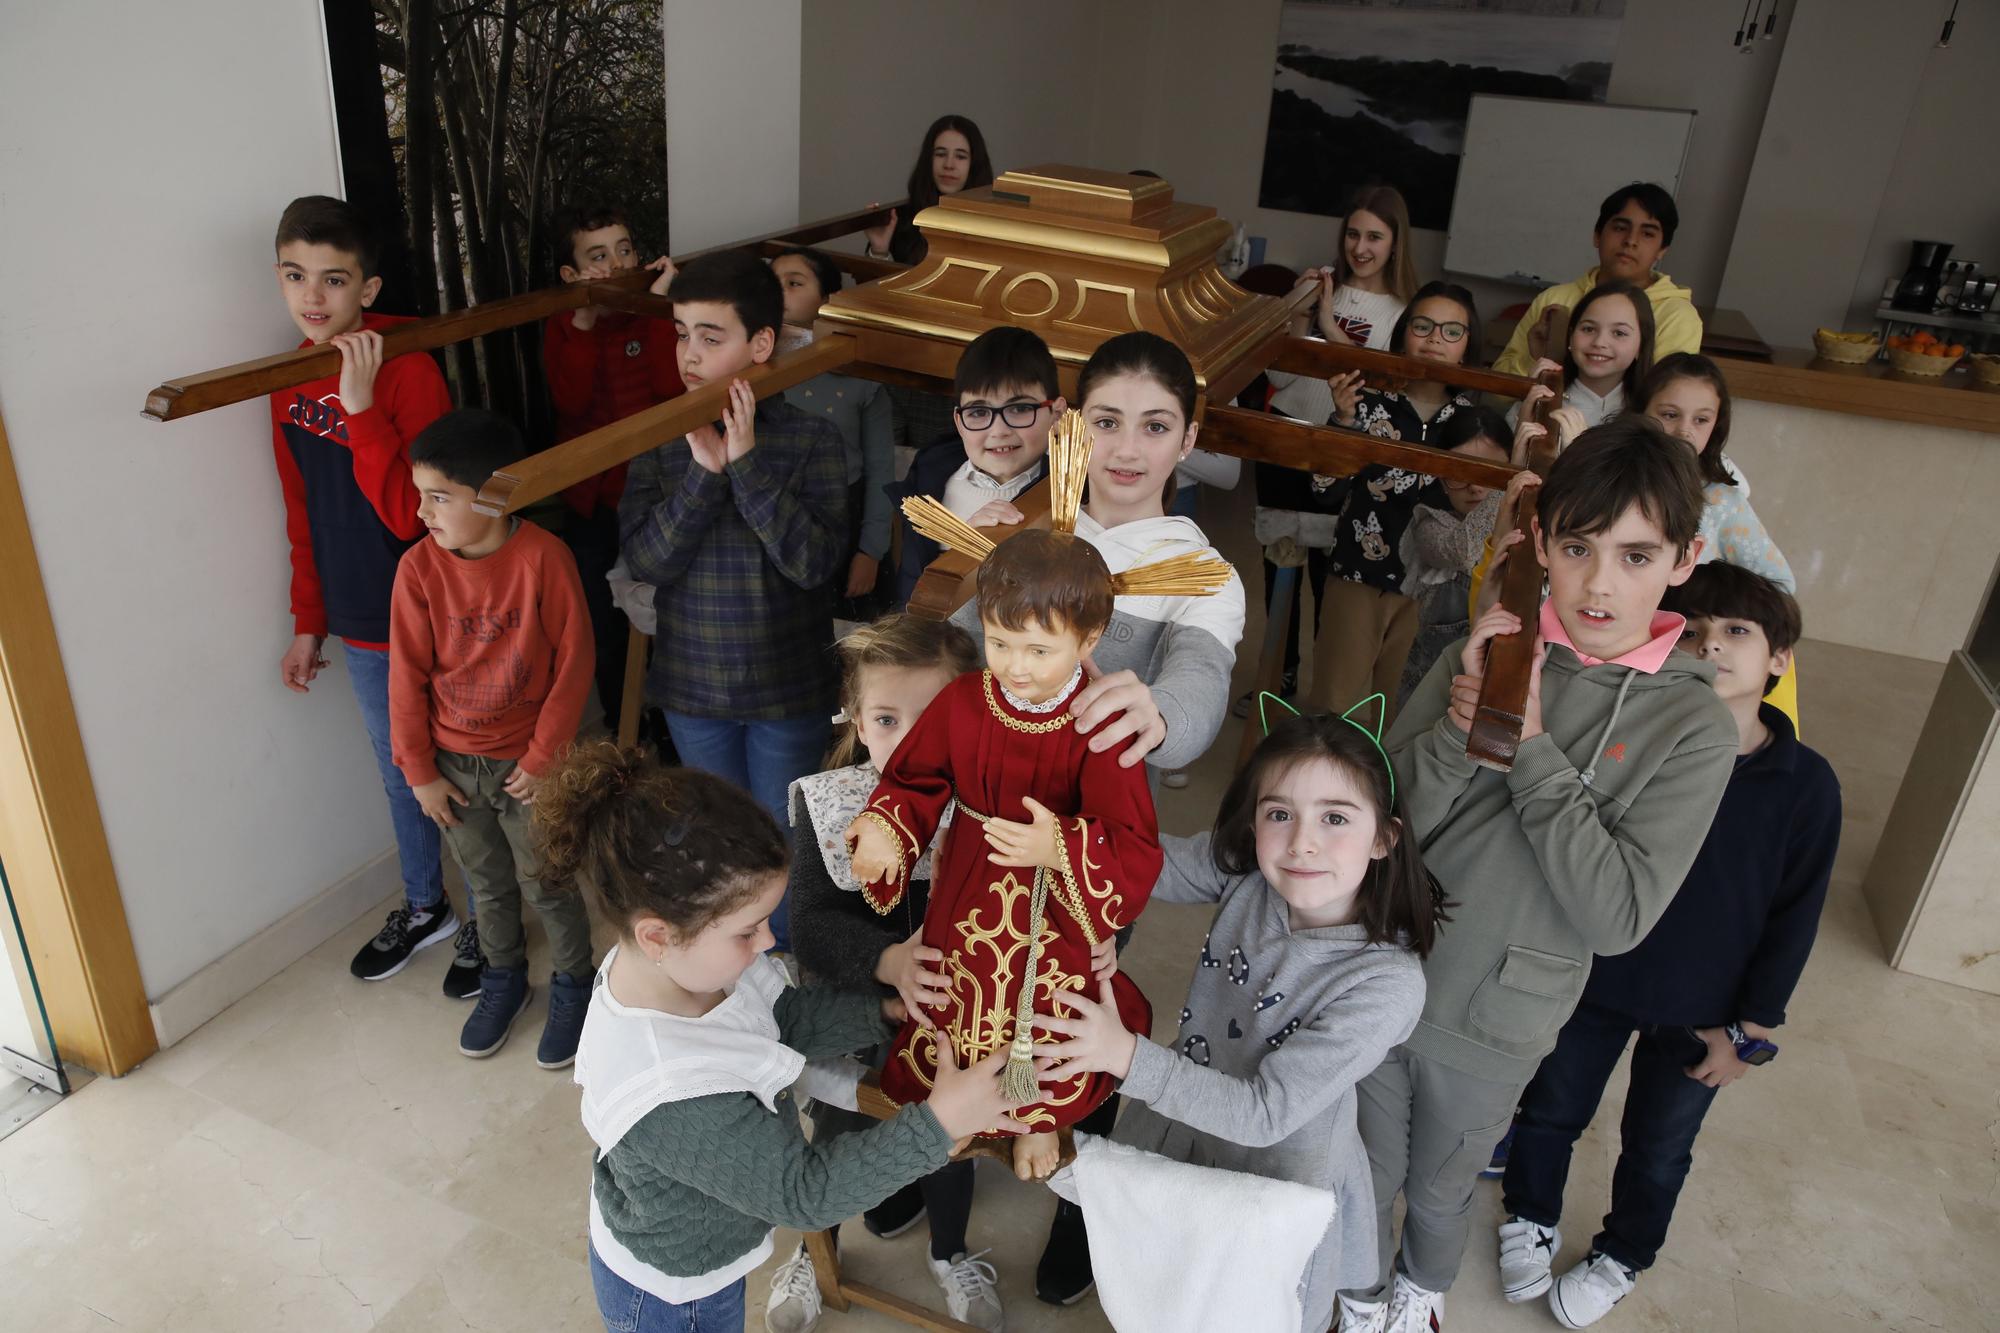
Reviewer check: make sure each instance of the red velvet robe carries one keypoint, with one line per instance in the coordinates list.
(972, 744)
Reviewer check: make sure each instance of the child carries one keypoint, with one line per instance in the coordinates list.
(603, 365)
(694, 1040)
(1604, 368)
(1687, 395)
(1309, 974)
(894, 668)
(867, 424)
(1447, 537)
(1576, 851)
(1008, 397)
(1707, 987)
(350, 512)
(953, 158)
(1366, 622)
(741, 530)
(489, 665)
(1635, 225)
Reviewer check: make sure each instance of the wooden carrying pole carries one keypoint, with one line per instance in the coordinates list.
(1503, 693)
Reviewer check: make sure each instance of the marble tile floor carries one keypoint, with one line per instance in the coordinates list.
(320, 1157)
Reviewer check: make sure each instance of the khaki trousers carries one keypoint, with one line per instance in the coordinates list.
(1364, 638)
(495, 848)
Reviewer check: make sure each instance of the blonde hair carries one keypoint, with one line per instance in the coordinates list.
(896, 640)
(1385, 202)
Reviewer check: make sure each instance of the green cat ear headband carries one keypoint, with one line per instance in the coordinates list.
(1265, 698)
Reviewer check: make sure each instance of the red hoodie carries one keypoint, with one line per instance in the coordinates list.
(620, 365)
(350, 506)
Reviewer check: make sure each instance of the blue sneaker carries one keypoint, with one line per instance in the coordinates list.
(569, 1001)
(1497, 1167)
(503, 993)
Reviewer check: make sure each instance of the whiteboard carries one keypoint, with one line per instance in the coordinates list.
(1534, 172)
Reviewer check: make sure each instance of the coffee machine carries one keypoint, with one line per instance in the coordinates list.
(1918, 289)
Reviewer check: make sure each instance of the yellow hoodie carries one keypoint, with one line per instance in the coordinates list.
(1676, 327)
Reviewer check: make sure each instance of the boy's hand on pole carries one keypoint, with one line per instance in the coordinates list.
(360, 362)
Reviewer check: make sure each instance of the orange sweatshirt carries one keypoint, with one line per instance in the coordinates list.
(490, 657)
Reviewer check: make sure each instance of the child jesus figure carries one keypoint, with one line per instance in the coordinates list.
(1055, 848)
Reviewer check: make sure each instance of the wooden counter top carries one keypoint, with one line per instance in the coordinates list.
(1797, 376)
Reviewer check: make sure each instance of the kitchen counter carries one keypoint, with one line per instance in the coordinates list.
(1798, 377)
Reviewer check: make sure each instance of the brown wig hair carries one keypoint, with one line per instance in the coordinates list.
(1634, 379)
(320, 219)
(1626, 461)
(641, 840)
(1400, 902)
(1695, 366)
(923, 189)
(1054, 578)
(1721, 591)
(1386, 203)
(896, 640)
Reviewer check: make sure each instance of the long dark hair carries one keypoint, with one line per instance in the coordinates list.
(1634, 379)
(923, 189)
(1450, 291)
(1400, 902)
(1694, 366)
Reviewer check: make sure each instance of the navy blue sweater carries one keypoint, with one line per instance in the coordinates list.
(1731, 946)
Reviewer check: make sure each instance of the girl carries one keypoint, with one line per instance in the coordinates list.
(893, 669)
(1610, 348)
(861, 410)
(1687, 395)
(693, 1041)
(1366, 623)
(953, 158)
(1309, 975)
(1447, 536)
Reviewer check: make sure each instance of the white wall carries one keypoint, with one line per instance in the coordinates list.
(732, 119)
(145, 159)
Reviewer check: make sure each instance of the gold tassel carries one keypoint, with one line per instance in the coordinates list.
(929, 516)
(1018, 1083)
(1069, 468)
(1191, 575)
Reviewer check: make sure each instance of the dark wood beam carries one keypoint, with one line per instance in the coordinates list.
(1311, 356)
(1334, 451)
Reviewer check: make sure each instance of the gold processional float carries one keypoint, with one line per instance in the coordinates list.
(1078, 256)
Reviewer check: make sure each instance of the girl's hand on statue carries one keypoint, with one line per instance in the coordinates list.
(872, 851)
(1038, 843)
(1104, 959)
(910, 967)
(968, 1101)
(1097, 1039)
(1124, 705)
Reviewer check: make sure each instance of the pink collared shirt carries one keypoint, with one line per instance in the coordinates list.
(1648, 657)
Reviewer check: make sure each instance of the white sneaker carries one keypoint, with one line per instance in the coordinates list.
(1360, 1316)
(968, 1290)
(794, 1303)
(1414, 1310)
(1527, 1249)
(1587, 1292)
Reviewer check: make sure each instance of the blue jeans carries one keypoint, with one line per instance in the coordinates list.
(764, 756)
(418, 842)
(1663, 1113)
(626, 1309)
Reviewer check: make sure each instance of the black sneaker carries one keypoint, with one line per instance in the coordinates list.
(461, 979)
(503, 993)
(1064, 1276)
(407, 930)
(897, 1213)
(569, 1001)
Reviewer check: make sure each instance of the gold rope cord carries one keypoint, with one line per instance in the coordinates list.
(1018, 1082)
(1069, 468)
(929, 516)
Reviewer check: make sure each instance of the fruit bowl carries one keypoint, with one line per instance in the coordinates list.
(1986, 368)
(1923, 354)
(1847, 349)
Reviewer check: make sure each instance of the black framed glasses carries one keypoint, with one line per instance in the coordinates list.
(978, 416)
(1452, 330)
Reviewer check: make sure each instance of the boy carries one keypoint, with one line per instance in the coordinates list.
(740, 529)
(1635, 225)
(1008, 397)
(489, 665)
(603, 366)
(351, 512)
(1577, 851)
(1705, 989)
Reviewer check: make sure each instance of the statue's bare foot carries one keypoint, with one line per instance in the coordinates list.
(1035, 1156)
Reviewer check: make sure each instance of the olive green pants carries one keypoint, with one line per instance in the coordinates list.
(495, 848)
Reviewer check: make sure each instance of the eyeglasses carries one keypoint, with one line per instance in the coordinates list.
(1020, 416)
(1453, 331)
